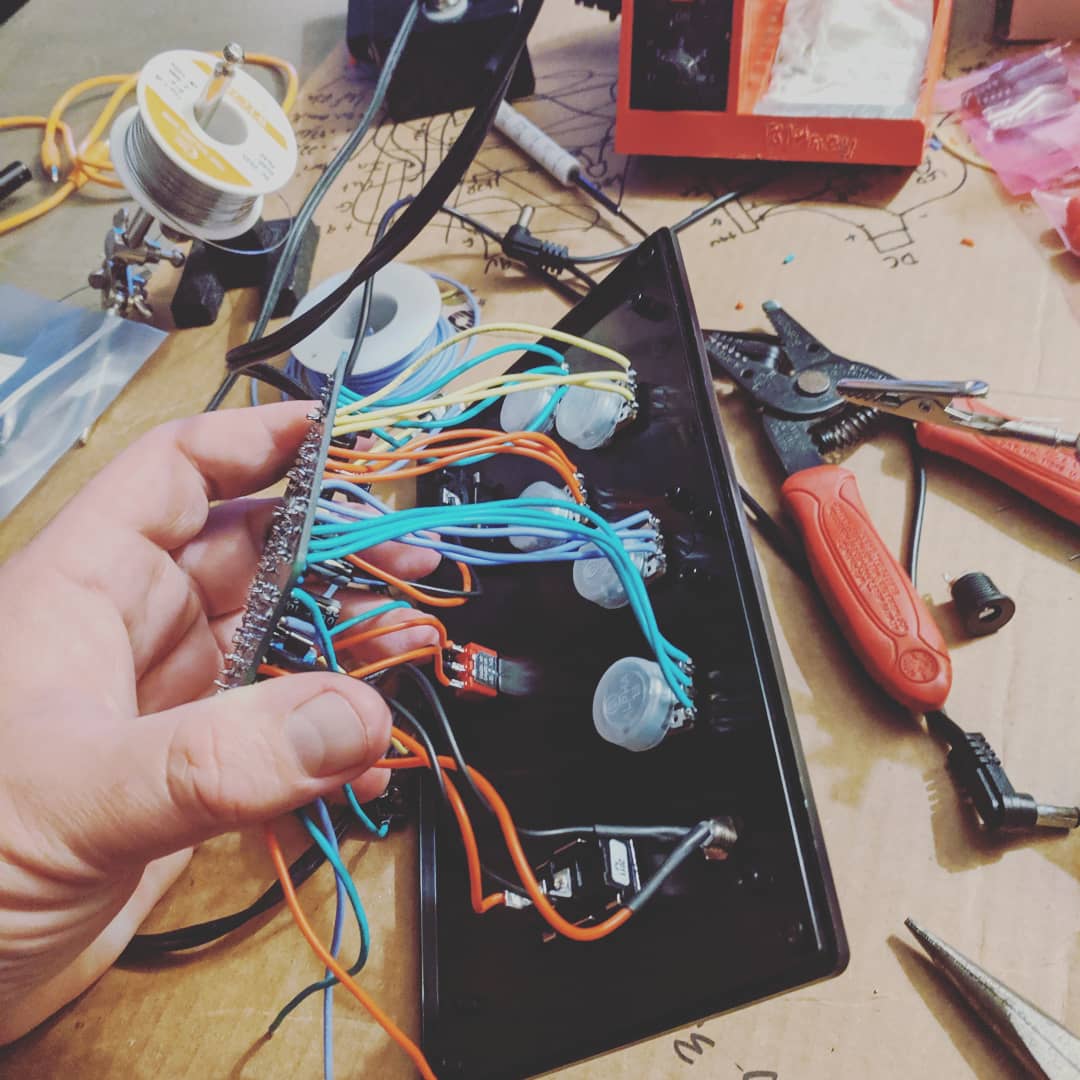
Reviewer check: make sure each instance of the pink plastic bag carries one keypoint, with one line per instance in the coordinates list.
(1023, 116)
(1061, 205)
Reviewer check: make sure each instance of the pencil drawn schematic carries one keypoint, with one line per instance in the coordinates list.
(576, 108)
(857, 200)
(879, 209)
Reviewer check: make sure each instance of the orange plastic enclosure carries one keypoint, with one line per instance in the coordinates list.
(736, 131)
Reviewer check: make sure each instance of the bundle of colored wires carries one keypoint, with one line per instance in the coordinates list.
(419, 753)
(390, 406)
(88, 161)
(341, 532)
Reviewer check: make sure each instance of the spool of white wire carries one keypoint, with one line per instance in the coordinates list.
(203, 182)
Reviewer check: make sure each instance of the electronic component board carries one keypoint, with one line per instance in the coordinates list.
(500, 997)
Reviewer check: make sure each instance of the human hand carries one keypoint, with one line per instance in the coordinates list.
(115, 754)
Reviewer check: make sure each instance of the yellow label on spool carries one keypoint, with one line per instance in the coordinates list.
(242, 103)
(170, 125)
(258, 155)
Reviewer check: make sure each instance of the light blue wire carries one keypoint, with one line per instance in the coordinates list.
(362, 493)
(388, 438)
(333, 857)
(353, 535)
(335, 946)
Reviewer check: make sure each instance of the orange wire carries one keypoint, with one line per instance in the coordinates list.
(521, 443)
(350, 640)
(346, 980)
(513, 844)
(481, 904)
(410, 590)
(429, 444)
(544, 907)
(565, 472)
(428, 652)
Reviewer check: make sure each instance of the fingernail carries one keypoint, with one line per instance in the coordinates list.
(327, 735)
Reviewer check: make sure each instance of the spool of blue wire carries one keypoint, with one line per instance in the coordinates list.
(407, 319)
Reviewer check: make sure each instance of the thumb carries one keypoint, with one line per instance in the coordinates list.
(242, 757)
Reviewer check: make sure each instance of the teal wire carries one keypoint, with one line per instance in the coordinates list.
(468, 365)
(378, 831)
(325, 635)
(319, 623)
(371, 613)
(537, 513)
(349, 885)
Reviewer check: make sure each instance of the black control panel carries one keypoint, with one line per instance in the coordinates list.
(501, 998)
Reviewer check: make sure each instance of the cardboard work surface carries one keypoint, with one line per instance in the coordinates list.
(875, 263)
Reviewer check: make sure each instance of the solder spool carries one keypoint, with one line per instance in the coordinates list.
(208, 182)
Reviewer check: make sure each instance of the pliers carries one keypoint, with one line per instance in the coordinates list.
(815, 403)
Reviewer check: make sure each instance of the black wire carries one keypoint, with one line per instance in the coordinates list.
(473, 223)
(694, 839)
(416, 215)
(624, 832)
(331, 980)
(431, 696)
(580, 274)
(553, 281)
(425, 738)
(264, 373)
(682, 223)
(918, 506)
(505, 882)
(144, 947)
(775, 534)
(229, 380)
(440, 780)
(597, 195)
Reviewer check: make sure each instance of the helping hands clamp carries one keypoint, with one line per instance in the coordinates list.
(122, 287)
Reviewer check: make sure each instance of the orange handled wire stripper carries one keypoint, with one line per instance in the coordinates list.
(814, 403)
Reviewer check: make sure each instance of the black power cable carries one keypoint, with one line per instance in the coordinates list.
(146, 947)
(415, 216)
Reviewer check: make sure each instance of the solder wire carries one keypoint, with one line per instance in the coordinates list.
(326, 180)
(187, 198)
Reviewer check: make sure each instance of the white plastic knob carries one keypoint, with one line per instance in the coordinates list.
(521, 409)
(588, 418)
(633, 706)
(597, 580)
(541, 489)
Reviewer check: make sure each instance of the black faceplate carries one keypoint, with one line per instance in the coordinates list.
(497, 1000)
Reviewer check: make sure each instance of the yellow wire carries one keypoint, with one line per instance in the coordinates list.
(89, 161)
(953, 146)
(488, 328)
(50, 157)
(614, 382)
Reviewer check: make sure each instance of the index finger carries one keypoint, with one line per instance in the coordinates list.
(163, 484)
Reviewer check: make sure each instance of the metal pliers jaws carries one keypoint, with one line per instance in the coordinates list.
(937, 403)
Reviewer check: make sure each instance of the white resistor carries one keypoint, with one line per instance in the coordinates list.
(543, 149)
